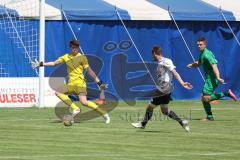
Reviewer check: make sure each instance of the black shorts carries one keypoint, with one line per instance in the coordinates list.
(161, 99)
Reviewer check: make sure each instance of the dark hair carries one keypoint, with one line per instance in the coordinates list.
(157, 50)
(74, 42)
(201, 39)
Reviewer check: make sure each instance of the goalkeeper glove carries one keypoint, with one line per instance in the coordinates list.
(36, 64)
(102, 85)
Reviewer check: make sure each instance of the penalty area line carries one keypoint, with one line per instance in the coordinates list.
(116, 155)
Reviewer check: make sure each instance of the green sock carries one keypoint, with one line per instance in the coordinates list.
(217, 96)
(208, 110)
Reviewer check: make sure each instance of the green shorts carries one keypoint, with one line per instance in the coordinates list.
(209, 86)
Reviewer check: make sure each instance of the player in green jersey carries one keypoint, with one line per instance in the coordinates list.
(212, 78)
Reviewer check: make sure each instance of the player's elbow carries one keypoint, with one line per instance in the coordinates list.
(89, 71)
(54, 63)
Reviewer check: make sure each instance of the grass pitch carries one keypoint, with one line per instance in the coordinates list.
(36, 134)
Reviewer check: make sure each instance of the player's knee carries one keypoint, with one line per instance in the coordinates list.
(151, 106)
(84, 102)
(205, 98)
(164, 109)
(56, 93)
(60, 90)
(165, 112)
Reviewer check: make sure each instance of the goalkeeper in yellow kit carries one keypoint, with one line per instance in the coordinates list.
(76, 63)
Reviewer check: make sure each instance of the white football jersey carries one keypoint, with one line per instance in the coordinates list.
(165, 75)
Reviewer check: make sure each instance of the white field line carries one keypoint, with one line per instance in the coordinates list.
(234, 108)
(201, 108)
(21, 119)
(116, 155)
(177, 109)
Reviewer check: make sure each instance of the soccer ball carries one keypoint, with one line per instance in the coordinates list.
(68, 120)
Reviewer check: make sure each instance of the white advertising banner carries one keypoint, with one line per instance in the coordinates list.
(23, 92)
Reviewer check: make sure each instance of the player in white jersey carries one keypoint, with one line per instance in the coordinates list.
(165, 71)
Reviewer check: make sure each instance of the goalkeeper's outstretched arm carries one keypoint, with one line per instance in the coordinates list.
(50, 64)
(37, 64)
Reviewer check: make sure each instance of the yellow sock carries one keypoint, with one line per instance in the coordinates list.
(67, 101)
(95, 107)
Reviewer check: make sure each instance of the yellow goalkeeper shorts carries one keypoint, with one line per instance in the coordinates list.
(76, 88)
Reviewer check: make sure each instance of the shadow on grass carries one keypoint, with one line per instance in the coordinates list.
(215, 120)
(56, 121)
(153, 131)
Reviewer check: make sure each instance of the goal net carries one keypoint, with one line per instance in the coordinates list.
(19, 45)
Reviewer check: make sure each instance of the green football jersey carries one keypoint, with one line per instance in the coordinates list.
(207, 59)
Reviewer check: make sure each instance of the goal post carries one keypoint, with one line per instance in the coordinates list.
(41, 52)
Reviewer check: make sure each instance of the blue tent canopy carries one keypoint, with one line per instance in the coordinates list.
(190, 10)
(88, 10)
(193, 10)
(101, 10)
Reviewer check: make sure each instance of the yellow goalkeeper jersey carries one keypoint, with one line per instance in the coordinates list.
(75, 67)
